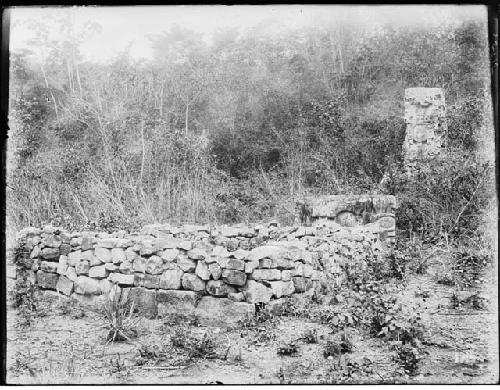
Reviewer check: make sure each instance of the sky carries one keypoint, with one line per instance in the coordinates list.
(126, 25)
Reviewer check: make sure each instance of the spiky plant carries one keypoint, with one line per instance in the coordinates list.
(118, 311)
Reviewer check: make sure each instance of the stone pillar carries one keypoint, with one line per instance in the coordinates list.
(425, 116)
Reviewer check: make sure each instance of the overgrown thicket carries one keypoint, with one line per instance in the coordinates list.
(240, 128)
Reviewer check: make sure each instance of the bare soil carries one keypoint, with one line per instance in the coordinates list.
(461, 345)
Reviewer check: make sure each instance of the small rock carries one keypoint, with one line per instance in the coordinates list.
(154, 265)
(250, 266)
(64, 285)
(215, 270)
(118, 255)
(236, 296)
(218, 288)
(50, 253)
(202, 270)
(197, 254)
(82, 268)
(48, 266)
(103, 254)
(47, 280)
(63, 265)
(266, 274)
(281, 288)
(139, 264)
(185, 264)
(171, 279)
(121, 279)
(87, 286)
(256, 292)
(169, 254)
(234, 277)
(98, 272)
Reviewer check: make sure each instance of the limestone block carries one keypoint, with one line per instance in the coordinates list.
(98, 272)
(266, 274)
(175, 302)
(171, 279)
(270, 251)
(286, 275)
(234, 277)
(87, 243)
(48, 266)
(170, 254)
(236, 296)
(62, 266)
(284, 264)
(147, 281)
(108, 242)
(185, 245)
(202, 270)
(139, 264)
(215, 270)
(154, 265)
(218, 288)
(71, 274)
(47, 280)
(106, 286)
(220, 251)
(64, 285)
(232, 244)
(185, 264)
(111, 267)
(267, 263)
(52, 241)
(82, 268)
(197, 254)
(126, 268)
(250, 266)
(308, 270)
(118, 255)
(50, 253)
(76, 241)
(121, 279)
(145, 302)
(281, 288)
(147, 248)
(11, 272)
(87, 286)
(65, 249)
(299, 269)
(74, 258)
(192, 282)
(222, 311)
(229, 263)
(256, 292)
(103, 254)
(130, 255)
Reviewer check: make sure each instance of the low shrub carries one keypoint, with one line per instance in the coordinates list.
(197, 347)
(118, 312)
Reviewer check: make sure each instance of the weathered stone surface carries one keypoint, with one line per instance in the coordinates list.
(266, 274)
(230, 263)
(126, 268)
(71, 274)
(48, 266)
(185, 264)
(284, 264)
(64, 285)
(281, 288)
(220, 251)
(130, 255)
(111, 267)
(197, 254)
(52, 241)
(308, 270)
(185, 245)
(270, 251)
(87, 286)
(11, 272)
(147, 281)
(299, 269)
(47, 279)
(202, 270)
(222, 311)
(139, 264)
(232, 244)
(301, 284)
(98, 272)
(170, 254)
(256, 292)
(218, 288)
(74, 258)
(76, 241)
(276, 307)
(62, 266)
(229, 231)
(240, 254)
(118, 255)
(103, 254)
(267, 263)
(64, 249)
(147, 248)
(176, 302)
(286, 275)
(250, 266)
(154, 265)
(215, 270)
(234, 277)
(145, 302)
(105, 285)
(236, 296)
(82, 268)
(171, 279)
(108, 242)
(192, 282)
(50, 253)
(87, 243)
(35, 252)
(121, 279)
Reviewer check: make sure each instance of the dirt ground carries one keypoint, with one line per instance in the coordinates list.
(461, 345)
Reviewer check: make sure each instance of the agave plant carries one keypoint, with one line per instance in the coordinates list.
(118, 311)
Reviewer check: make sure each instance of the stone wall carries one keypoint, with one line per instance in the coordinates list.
(216, 273)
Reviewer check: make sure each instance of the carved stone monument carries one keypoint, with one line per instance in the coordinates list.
(425, 116)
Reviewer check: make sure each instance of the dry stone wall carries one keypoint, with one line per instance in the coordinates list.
(215, 273)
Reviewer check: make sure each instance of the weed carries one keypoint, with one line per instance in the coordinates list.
(409, 358)
(118, 314)
(338, 346)
(310, 336)
(196, 347)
